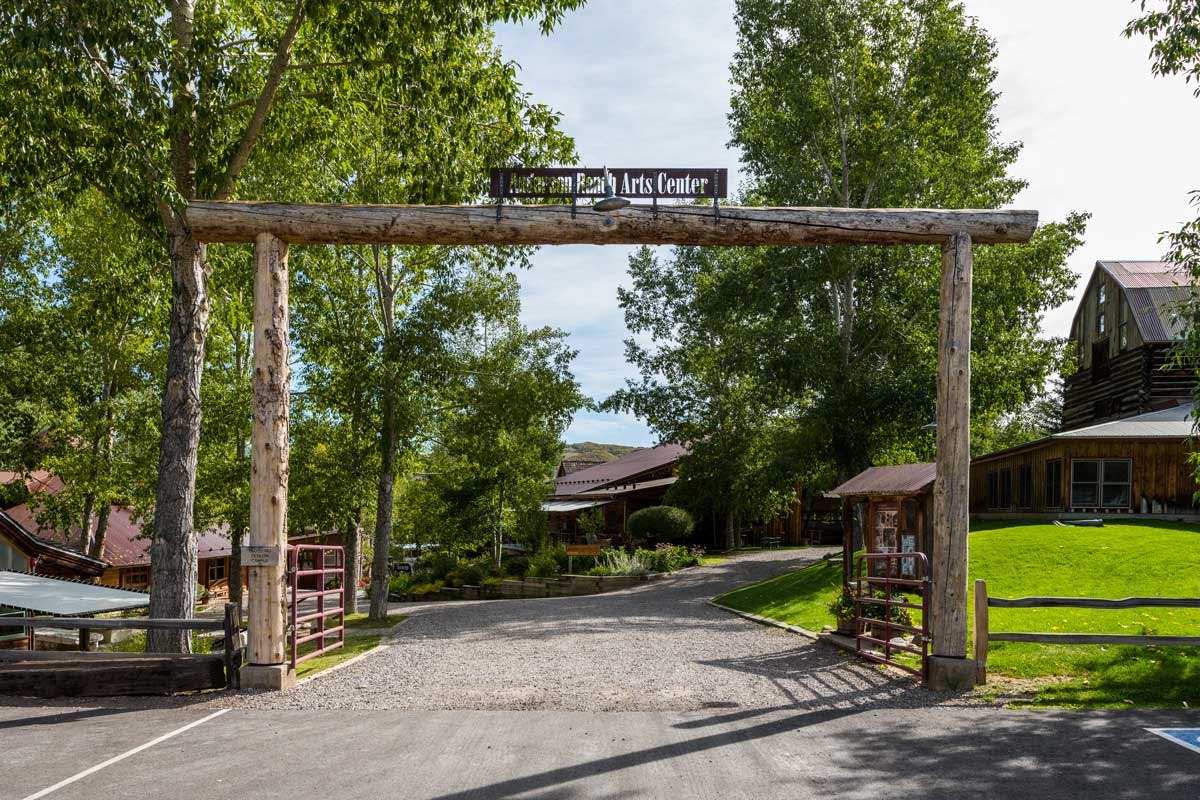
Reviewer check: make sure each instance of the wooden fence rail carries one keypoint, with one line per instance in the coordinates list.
(983, 635)
(230, 624)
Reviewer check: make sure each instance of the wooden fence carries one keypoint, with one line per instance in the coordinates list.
(983, 635)
(47, 673)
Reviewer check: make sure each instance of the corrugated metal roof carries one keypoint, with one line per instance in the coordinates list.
(1156, 311)
(1145, 274)
(43, 595)
(559, 506)
(620, 470)
(895, 479)
(1169, 423)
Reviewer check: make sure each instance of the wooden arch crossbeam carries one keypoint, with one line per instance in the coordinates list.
(272, 226)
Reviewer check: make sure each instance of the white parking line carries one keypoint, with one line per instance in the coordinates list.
(123, 756)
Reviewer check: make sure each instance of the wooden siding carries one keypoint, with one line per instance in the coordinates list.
(1160, 473)
(1138, 381)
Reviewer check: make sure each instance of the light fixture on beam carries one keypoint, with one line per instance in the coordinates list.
(611, 201)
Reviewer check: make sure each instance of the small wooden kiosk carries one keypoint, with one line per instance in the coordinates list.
(887, 510)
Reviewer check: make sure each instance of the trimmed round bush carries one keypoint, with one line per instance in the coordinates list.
(660, 524)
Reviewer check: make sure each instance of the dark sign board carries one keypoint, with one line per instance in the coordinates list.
(642, 182)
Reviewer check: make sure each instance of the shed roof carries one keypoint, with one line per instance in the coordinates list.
(894, 479)
(61, 598)
(1169, 423)
(619, 470)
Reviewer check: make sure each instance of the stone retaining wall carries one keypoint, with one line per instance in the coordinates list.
(562, 586)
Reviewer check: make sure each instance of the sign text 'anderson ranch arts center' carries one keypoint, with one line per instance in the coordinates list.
(572, 182)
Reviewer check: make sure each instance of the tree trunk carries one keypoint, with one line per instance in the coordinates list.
(237, 535)
(96, 550)
(730, 532)
(173, 549)
(383, 509)
(351, 536)
(85, 523)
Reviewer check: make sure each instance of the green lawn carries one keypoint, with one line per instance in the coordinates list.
(1017, 559)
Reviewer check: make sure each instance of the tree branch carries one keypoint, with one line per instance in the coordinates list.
(262, 106)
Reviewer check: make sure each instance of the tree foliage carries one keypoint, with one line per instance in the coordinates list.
(782, 364)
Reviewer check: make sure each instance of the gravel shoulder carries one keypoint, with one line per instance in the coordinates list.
(658, 647)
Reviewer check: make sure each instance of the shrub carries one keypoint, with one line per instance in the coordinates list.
(465, 574)
(841, 605)
(492, 581)
(201, 593)
(515, 566)
(660, 524)
(426, 588)
(437, 564)
(599, 570)
(619, 562)
(399, 584)
(668, 557)
(543, 565)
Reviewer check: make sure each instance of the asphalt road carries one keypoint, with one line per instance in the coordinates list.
(952, 752)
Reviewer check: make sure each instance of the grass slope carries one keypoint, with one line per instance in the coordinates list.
(1017, 559)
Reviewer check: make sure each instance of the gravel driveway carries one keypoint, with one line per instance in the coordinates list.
(657, 647)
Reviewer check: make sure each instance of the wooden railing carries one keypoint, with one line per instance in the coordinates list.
(230, 625)
(983, 635)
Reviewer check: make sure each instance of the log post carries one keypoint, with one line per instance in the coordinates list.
(949, 668)
(981, 631)
(267, 548)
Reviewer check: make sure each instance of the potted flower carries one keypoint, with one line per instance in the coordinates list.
(841, 605)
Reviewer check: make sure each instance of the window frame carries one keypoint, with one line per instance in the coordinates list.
(1057, 495)
(1101, 484)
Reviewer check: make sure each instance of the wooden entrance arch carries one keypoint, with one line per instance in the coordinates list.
(272, 226)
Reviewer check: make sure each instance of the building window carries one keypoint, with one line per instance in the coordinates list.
(1100, 483)
(138, 577)
(1053, 483)
(1101, 295)
(11, 558)
(1006, 488)
(1025, 486)
(216, 569)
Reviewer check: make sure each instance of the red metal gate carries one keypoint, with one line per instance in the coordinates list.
(891, 574)
(316, 572)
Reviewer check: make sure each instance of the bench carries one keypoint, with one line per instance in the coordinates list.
(772, 541)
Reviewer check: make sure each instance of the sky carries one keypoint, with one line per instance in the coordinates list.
(645, 83)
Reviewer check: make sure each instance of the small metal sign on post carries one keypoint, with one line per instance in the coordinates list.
(573, 183)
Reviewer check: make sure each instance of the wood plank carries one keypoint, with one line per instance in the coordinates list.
(314, 223)
(980, 631)
(113, 676)
(1092, 602)
(269, 451)
(118, 623)
(74, 655)
(1096, 638)
(951, 496)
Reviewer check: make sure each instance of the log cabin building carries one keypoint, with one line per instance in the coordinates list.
(641, 478)
(1123, 331)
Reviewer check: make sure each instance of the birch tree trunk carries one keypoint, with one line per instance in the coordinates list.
(351, 539)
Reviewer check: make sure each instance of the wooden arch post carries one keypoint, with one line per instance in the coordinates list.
(271, 226)
(269, 446)
(949, 667)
